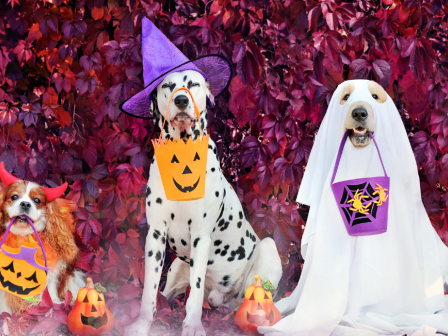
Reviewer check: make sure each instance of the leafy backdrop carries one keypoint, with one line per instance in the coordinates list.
(66, 65)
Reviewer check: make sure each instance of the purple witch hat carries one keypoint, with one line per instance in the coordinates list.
(160, 58)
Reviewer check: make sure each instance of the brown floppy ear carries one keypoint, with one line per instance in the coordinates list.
(2, 200)
(58, 232)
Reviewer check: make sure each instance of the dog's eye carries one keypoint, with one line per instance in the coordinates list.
(171, 86)
(375, 96)
(14, 197)
(346, 97)
(191, 84)
(36, 200)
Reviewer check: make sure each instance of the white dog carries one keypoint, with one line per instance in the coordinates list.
(218, 252)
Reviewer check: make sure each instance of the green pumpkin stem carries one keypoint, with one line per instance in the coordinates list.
(268, 286)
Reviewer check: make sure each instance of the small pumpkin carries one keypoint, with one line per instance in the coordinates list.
(90, 316)
(258, 308)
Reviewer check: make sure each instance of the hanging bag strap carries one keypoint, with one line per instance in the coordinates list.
(341, 148)
(35, 232)
(196, 110)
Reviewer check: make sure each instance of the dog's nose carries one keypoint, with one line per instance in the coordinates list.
(359, 114)
(181, 101)
(25, 205)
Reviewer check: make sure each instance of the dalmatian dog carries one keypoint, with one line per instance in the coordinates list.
(218, 252)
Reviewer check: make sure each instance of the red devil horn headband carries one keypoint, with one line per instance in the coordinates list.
(51, 193)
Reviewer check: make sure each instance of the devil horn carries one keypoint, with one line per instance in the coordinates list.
(6, 177)
(53, 193)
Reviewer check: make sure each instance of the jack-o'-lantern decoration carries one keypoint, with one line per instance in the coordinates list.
(22, 273)
(258, 308)
(182, 165)
(90, 316)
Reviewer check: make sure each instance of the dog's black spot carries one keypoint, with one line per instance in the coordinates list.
(247, 233)
(155, 286)
(149, 203)
(226, 247)
(174, 248)
(218, 251)
(198, 283)
(225, 226)
(157, 269)
(156, 234)
(148, 191)
(242, 252)
(185, 78)
(150, 253)
(254, 238)
(214, 150)
(217, 242)
(172, 216)
(213, 170)
(184, 243)
(158, 256)
(189, 222)
(205, 214)
(196, 133)
(241, 215)
(210, 147)
(242, 241)
(223, 253)
(225, 281)
(239, 224)
(172, 240)
(163, 240)
(159, 200)
(210, 262)
(191, 262)
(217, 194)
(161, 262)
(230, 217)
(196, 242)
(250, 255)
(165, 223)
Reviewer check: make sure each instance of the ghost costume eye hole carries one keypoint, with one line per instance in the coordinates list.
(346, 97)
(374, 96)
(14, 197)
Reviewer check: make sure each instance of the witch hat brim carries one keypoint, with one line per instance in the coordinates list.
(216, 69)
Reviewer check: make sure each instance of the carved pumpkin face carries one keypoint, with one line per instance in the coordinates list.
(21, 272)
(90, 315)
(258, 308)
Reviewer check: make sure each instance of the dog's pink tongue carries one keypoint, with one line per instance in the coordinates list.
(182, 121)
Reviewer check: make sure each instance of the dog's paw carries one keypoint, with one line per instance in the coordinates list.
(193, 329)
(138, 328)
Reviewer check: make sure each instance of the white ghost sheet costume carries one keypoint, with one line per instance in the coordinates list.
(391, 283)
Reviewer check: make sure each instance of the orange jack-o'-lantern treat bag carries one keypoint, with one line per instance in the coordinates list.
(22, 272)
(182, 165)
(258, 308)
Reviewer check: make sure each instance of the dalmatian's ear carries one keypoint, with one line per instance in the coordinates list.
(210, 101)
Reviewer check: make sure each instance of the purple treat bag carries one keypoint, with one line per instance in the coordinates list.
(364, 202)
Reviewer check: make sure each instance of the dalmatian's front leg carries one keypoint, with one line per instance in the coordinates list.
(200, 247)
(154, 257)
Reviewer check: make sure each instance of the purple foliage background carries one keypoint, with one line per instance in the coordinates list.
(65, 66)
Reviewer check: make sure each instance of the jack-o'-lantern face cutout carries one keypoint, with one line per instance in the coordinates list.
(182, 165)
(21, 272)
(90, 316)
(258, 308)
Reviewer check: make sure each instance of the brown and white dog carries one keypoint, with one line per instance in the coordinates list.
(52, 218)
